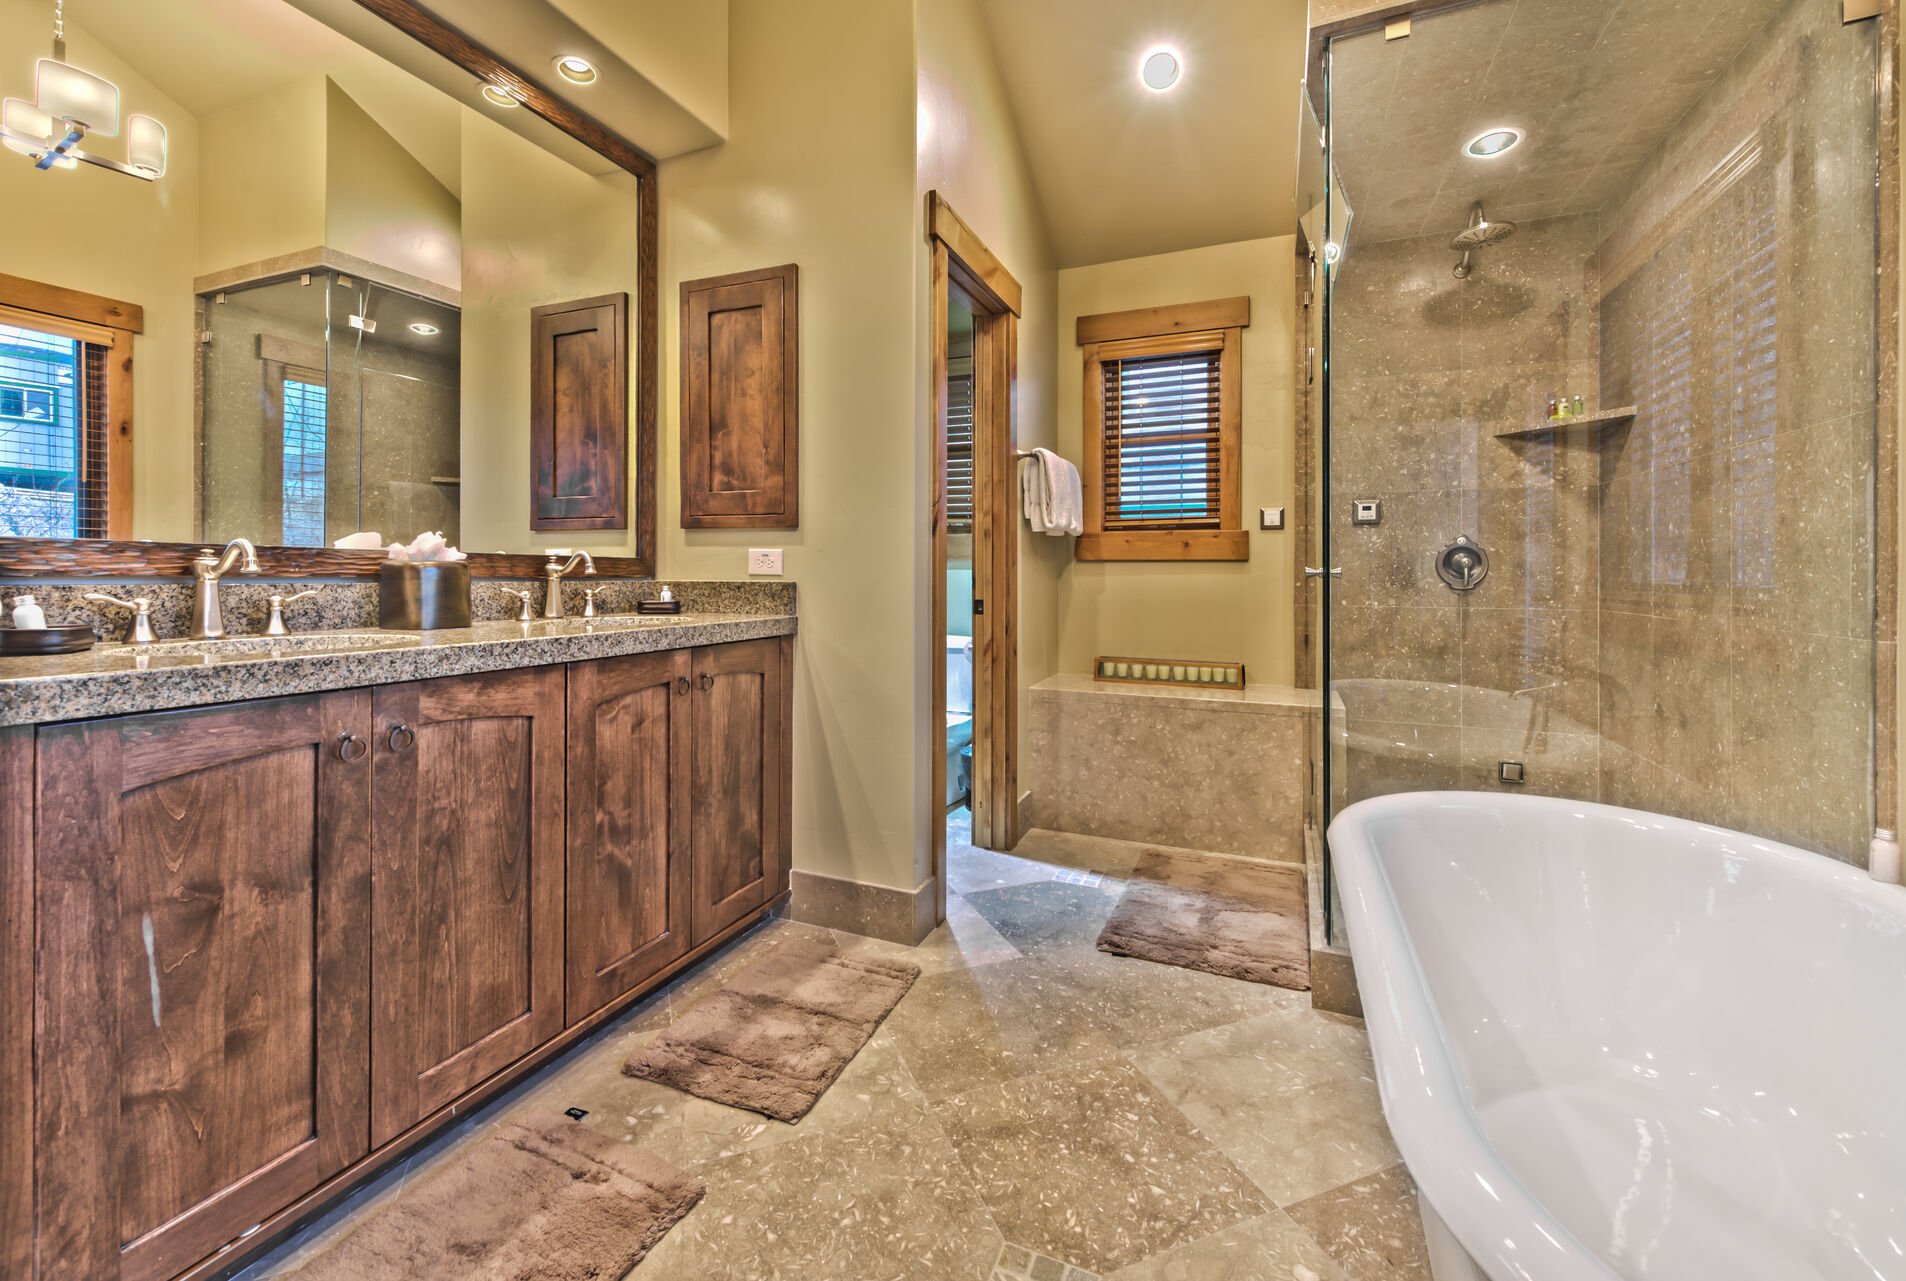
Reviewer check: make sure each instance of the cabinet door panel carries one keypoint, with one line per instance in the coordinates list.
(467, 886)
(737, 829)
(202, 988)
(628, 882)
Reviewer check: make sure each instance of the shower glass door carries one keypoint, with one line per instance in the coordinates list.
(1601, 411)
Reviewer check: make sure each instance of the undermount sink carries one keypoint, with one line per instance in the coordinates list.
(283, 646)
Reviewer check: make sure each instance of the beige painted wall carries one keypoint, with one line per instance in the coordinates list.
(380, 204)
(104, 233)
(263, 188)
(1221, 611)
(969, 151)
(536, 230)
(818, 170)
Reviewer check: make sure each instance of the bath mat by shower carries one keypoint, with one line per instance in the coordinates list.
(775, 1038)
(545, 1198)
(1226, 916)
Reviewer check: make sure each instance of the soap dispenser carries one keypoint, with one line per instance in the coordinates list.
(27, 615)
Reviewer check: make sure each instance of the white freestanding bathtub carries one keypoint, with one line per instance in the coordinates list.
(1613, 1044)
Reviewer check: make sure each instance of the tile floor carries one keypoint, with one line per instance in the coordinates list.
(1034, 1110)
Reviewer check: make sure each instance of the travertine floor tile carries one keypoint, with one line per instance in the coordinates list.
(1135, 1002)
(967, 1028)
(1048, 914)
(1289, 1096)
(1268, 1248)
(864, 1203)
(1091, 1165)
(967, 939)
(1370, 1227)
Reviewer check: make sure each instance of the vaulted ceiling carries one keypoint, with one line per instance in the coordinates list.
(1122, 172)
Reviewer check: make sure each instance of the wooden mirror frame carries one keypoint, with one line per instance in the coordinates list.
(39, 558)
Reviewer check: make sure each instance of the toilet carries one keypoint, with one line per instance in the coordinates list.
(959, 717)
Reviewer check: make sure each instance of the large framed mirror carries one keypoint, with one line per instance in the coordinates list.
(273, 269)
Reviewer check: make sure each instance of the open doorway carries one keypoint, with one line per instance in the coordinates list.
(974, 333)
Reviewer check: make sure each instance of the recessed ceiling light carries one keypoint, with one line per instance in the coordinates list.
(1160, 68)
(577, 71)
(1493, 143)
(497, 96)
(419, 327)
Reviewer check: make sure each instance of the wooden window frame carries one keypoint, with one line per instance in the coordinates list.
(99, 322)
(1217, 324)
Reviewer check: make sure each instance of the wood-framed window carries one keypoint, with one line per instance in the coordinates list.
(1163, 434)
(65, 412)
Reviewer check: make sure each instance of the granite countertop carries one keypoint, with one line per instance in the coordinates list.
(112, 680)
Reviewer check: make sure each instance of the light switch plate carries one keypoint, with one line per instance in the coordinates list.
(1366, 511)
(1270, 518)
(764, 560)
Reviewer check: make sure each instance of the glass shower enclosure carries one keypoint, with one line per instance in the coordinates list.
(1599, 415)
(328, 405)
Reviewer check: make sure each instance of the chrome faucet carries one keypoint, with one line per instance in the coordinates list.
(554, 573)
(208, 622)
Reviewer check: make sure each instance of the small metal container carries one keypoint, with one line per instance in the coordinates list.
(423, 596)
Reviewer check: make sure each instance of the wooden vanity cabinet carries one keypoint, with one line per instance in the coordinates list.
(738, 832)
(264, 941)
(630, 738)
(467, 886)
(202, 979)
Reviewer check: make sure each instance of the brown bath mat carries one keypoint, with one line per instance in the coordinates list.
(775, 1038)
(1226, 916)
(546, 1199)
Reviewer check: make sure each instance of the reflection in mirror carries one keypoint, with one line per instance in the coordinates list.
(316, 319)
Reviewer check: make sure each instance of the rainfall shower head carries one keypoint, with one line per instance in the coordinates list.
(1478, 233)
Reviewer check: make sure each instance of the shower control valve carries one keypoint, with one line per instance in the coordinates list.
(1462, 565)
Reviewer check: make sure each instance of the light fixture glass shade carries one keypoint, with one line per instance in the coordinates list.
(145, 145)
(64, 92)
(22, 117)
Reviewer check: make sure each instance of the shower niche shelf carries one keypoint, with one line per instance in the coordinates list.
(1578, 422)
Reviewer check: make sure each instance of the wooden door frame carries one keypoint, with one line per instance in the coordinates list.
(962, 260)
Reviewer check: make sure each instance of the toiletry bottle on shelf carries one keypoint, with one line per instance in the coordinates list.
(1576, 409)
(1554, 407)
(27, 615)
(666, 595)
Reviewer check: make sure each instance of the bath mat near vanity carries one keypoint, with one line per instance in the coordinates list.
(547, 1198)
(778, 1035)
(1226, 916)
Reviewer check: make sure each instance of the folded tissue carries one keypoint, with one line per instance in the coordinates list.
(368, 540)
(429, 545)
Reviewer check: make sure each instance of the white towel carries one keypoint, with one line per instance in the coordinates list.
(1052, 494)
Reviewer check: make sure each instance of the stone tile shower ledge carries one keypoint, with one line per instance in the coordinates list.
(113, 680)
(1575, 422)
(1260, 697)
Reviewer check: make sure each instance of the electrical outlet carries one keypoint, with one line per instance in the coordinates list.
(764, 560)
(1270, 518)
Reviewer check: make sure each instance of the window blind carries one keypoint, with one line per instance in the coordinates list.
(959, 450)
(305, 405)
(1161, 441)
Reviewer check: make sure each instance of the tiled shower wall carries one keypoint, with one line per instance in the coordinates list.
(1736, 529)
(1678, 614)
(1439, 686)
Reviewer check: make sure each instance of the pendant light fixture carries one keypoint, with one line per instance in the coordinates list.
(70, 105)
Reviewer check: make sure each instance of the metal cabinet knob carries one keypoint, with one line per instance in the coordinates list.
(346, 741)
(403, 732)
(681, 685)
(708, 682)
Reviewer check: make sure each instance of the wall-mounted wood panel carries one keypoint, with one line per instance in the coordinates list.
(740, 398)
(579, 414)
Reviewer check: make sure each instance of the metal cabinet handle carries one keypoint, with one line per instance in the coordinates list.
(708, 682)
(409, 736)
(346, 739)
(681, 684)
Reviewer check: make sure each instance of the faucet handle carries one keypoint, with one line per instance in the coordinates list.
(139, 627)
(589, 601)
(523, 614)
(275, 624)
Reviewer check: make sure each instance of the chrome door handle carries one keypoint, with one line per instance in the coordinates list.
(1335, 571)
